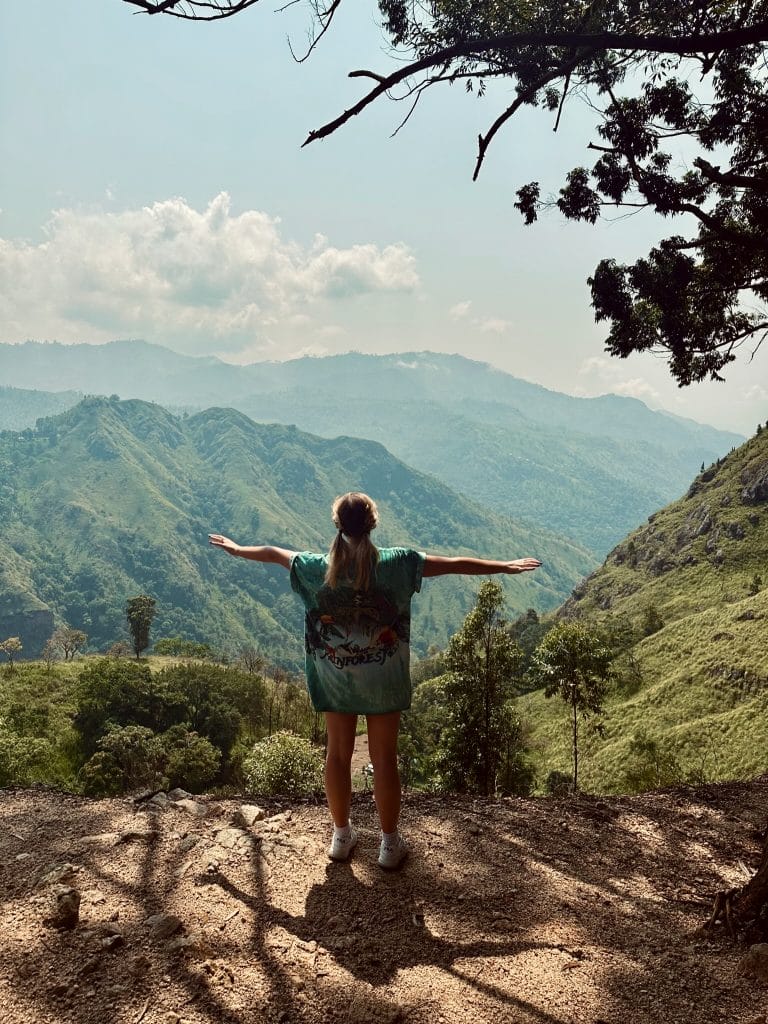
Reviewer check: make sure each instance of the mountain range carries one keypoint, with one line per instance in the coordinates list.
(114, 498)
(589, 469)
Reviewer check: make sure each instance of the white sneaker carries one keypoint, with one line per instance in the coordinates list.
(392, 852)
(341, 848)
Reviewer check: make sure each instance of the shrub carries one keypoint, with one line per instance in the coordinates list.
(558, 783)
(516, 776)
(191, 761)
(23, 759)
(129, 757)
(284, 765)
(649, 764)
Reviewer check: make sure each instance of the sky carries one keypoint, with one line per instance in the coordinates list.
(153, 185)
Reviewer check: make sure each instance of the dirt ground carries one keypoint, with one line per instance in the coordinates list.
(536, 911)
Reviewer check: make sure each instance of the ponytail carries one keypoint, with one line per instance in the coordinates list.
(353, 555)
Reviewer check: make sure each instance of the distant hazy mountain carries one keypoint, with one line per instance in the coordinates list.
(589, 468)
(114, 498)
(20, 408)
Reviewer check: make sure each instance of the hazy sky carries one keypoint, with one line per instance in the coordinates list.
(152, 185)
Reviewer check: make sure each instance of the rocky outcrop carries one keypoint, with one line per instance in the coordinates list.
(32, 627)
(755, 484)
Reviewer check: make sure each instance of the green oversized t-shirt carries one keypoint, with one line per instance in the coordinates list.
(358, 642)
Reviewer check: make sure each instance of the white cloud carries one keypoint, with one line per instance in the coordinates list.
(331, 331)
(493, 325)
(638, 387)
(756, 393)
(170, 271)
(595, 364)
(461, 309)
(606, 374)
(310, 350)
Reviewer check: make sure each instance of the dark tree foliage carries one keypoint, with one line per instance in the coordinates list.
(140, 611)
(574, 662)
(655, 72)
(482, 734)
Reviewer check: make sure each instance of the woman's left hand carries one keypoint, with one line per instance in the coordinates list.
(219, 541)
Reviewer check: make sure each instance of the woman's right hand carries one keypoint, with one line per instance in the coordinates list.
(220, 541)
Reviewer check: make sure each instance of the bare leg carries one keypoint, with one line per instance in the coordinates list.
(382, 744)
(338, 759)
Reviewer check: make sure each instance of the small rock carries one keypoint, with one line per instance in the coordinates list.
(248, 814)
(163, 926)
(23, 856)
(179, 794)
(66, 910)
(192, 807)
(188, 842)
(232, 838)
(98, 838)
(132, 836)
(754, 963)
(192, 943)
(139, 966)
(55, 873)
(160, 800)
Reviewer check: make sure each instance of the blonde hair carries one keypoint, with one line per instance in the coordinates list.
(353, 554)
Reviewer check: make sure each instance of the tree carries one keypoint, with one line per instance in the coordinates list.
(696, 296)
(69, 641)
(191, 761)
(128, 757)
(482, 732)
(651, 621)
(252, 660)
(140, 611)
(49, 654)
(10, 648)
(574, 662)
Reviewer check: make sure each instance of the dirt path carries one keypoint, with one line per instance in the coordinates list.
(530, 911)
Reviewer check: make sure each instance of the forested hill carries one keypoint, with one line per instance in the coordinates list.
(686, 596)
(590, 469)
(21, 408)
(114, 498)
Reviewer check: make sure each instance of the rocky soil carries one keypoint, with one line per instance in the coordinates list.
(534, 911)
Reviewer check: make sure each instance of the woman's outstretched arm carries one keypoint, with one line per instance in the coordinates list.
(438, 565)
(265, 553)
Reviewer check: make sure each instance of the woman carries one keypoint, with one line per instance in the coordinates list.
(357, 631)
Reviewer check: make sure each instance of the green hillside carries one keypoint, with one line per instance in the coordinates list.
(700, 683)
(115, 498)
(587, 468)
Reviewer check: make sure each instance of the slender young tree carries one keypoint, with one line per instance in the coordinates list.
(10, 648)
(574, 663)
(140, 611)
(483, 665)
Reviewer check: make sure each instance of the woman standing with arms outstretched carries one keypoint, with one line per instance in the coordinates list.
(357, 633)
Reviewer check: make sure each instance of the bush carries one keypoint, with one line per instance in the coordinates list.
(23, 759)
(650, 764)
(516, 777)
(129, 757)
(284, 765)
(558, 783)
(191, 761)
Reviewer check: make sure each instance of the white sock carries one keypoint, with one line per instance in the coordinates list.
(390, 838)
(342, 832)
